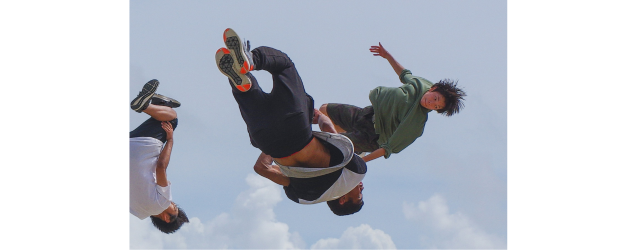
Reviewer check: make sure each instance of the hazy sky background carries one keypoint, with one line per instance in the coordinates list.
(447, 190)
(70, 69)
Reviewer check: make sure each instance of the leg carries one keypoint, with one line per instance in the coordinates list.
(286, 80)
(288, 97)
(323, 109)
(152, 128)
(279, 123)
(288, 90)
(357, 123)
(161, 113)
(344, 116)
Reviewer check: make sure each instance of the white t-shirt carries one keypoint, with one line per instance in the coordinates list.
(348, 179)
(146, 198)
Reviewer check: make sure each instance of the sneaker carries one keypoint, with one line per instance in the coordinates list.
(241, 51)
(158, 99)
(226, 65)
(141, 102)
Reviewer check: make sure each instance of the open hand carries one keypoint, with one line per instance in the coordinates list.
(168, 128)
(379, 51)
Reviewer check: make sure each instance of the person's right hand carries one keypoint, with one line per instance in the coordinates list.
(265, 159)
(316, 113)
(379, 51)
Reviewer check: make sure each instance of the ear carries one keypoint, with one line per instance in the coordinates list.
(343, 200)
(432, 88)
(165, 217)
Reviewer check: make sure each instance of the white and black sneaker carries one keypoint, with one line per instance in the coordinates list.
(240, 51)
(158, 99)
(141, 102)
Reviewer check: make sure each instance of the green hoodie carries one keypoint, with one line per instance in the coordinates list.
(399, 117)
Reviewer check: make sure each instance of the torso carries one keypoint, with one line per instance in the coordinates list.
(314, 155)
(311, 190)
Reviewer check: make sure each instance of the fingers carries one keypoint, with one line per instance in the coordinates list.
(316, 114)
(265, 159)
(166, 126)
(377, 49)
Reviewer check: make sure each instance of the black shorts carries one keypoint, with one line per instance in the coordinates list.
(152, 128)
(358, 124)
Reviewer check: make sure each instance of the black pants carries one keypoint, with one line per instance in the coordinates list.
(279, 123)
(152, 128)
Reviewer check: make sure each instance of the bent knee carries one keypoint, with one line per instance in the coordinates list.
(323, 109)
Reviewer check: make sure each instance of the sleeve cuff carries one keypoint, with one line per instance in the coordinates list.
(164, 191)
(403, 74)
(387, 151)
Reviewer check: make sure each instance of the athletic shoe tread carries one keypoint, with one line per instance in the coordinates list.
(141, 102)
(234, 44)
(226, 64)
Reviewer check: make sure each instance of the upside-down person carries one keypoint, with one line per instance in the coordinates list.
(149, 189)
(312, 166)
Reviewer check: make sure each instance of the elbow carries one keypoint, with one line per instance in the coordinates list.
(258, 168)
(162, 164)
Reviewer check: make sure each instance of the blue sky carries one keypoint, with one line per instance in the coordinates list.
(569, 177)
(459, 163)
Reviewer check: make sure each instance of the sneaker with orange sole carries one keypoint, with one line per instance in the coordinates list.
(227, 65)
(240, 51)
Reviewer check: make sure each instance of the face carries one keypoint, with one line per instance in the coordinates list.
(354, 196)
(432, 100)
(172, 210)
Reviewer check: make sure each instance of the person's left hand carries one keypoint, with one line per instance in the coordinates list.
(379, 51)
(169, 129)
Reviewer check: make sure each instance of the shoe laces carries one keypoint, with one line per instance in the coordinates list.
(247, 50)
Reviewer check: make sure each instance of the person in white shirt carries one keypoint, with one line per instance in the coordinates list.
(150, 191)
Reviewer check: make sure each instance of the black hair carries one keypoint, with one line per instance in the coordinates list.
(344, 209)
(453, 96)
(175, 222)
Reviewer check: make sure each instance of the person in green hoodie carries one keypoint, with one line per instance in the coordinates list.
(397, 115)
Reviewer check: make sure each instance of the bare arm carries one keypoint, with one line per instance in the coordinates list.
(165, 155)
(374, 155)
(323, 122)
(267, 170)
(380, 51)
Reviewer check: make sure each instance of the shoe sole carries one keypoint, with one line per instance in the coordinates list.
(226, 66)
(173, 103)
(145, 95)
(233, 43)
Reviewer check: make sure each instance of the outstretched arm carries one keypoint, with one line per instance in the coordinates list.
(163, 159)
(374, 155)
(267, 170)
(380, 51)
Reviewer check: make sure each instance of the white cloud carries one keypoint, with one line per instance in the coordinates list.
(250, 224)
(362, 237)
(448, 230)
